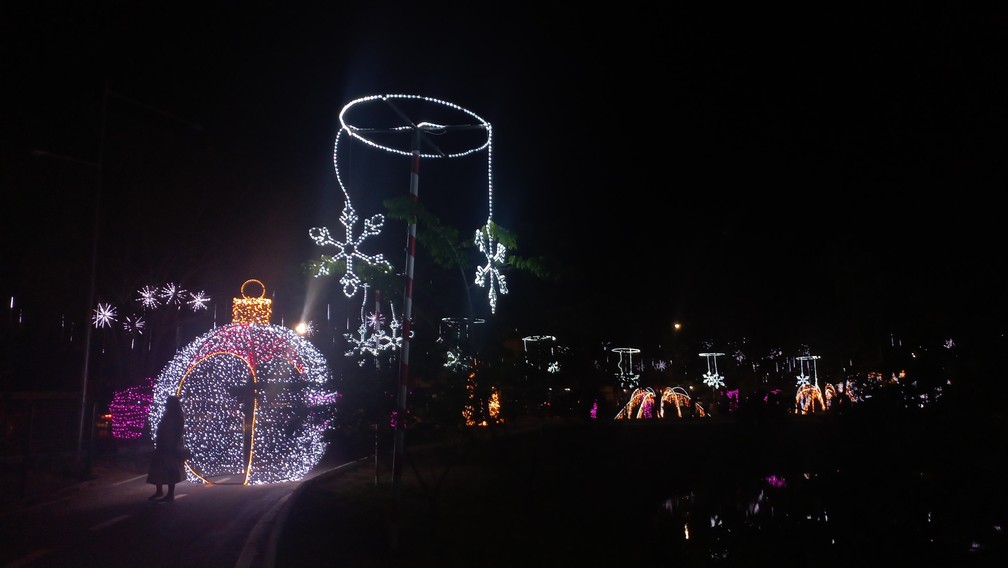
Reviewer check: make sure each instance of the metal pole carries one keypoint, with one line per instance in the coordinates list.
(400, 431)
(91, 290)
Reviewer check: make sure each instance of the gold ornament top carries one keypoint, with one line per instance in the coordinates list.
(252, 310)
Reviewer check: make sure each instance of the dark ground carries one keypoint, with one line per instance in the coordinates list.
(620, 493)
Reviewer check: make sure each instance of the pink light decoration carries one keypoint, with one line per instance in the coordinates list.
(129, 409)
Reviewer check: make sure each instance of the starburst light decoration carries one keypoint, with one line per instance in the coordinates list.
(104, 315)
(256, 401)
(712, 378)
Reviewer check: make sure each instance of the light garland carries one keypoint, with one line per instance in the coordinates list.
(255, 400)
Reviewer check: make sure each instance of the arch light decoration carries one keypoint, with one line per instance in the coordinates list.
(255, 397)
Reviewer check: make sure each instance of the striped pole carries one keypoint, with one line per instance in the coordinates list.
(400, 432)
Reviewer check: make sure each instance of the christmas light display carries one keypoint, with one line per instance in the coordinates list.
(130, 408)
(104, 315)
(371, 337)
(712, 378)
(255, 397)
(626, 373)
(806, 398)
(803, 379)
(541, 351)
(487, 275)
(252, 309)
(453, 334)
(642, 403)
(133, 326)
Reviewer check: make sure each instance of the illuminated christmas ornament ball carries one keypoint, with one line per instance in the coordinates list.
(254, 396)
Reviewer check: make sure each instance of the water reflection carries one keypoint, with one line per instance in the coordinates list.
(828, 518)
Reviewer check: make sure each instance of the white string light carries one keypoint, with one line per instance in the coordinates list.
(488, 275)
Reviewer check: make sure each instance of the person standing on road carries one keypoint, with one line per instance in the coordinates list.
(166, 467)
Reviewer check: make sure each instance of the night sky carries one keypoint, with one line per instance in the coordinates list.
(818, 177)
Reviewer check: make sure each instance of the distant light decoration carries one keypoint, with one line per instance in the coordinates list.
(803, 379)
(252, 310)
(639, 406)
(104, 315)
(494, 406)
(255, 397)
(712, 378)
(130, 408)
(626, 373)
(642, 403)
(453, 333)
(488, 275)
(806, 398)
(541, 351)
(371, 337)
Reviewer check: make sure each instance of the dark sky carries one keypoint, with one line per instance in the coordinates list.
(808, 175)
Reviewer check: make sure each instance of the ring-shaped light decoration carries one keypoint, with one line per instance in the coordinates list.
(488, 275)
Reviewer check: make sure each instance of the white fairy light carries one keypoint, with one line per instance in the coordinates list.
(488, 275)
(712, 378)
(242, 374)
(625, 371)
(104, 315)
(803, 379)
(198, 301)
(149, 297)
(172, 294)
(371, 337)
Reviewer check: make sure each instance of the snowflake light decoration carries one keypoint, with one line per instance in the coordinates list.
(712, 378)
(803, 379)
(350, 249)
(104, 315)
(371, 337)
(489, 275)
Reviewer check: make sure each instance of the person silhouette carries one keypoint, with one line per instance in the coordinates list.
(167, 462)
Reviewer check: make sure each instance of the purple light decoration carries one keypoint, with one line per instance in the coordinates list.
(775, 481)
(129, 409)
(594, 410)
